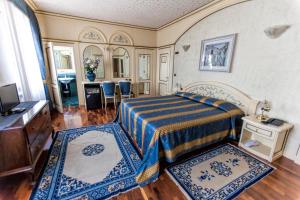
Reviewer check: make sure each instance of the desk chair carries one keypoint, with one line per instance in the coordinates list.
(109, 91)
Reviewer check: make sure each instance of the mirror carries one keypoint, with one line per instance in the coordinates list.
(93, 52)
(144, 67)
(120, 60)
(63, 58)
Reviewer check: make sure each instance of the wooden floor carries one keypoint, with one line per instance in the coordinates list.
(283, 183)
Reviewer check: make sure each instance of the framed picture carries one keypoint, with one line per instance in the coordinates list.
(216, 53)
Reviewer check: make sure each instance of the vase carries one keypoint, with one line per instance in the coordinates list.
(91, 76)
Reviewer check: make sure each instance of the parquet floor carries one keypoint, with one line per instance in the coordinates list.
(283, 183)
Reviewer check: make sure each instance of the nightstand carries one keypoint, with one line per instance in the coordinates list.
(271, 138)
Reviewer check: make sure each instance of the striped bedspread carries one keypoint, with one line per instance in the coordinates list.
(166, 127)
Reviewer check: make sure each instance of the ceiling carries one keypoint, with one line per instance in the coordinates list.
(146, 13)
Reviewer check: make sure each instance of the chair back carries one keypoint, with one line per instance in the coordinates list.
(109, 88)
(125, 87)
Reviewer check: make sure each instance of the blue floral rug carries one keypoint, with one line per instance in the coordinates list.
(221, 173)
(95, 162)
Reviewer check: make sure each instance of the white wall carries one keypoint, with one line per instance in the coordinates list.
(262, 67)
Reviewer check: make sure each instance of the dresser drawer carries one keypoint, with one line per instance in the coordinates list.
(41, 139)
(35, 126)
(259, 130)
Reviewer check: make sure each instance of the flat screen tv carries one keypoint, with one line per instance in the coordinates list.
(9, 97)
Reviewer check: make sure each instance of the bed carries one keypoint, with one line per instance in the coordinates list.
(166, 127)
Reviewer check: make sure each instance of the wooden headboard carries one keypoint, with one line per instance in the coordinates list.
(224, 92)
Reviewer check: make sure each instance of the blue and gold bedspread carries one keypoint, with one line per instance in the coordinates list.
(166, 127)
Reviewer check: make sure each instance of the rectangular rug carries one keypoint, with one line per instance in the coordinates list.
(221, 173)
(95, 162)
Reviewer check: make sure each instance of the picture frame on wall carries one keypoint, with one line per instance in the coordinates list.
(217, 53)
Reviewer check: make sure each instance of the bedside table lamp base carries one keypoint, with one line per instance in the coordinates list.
(262, 118)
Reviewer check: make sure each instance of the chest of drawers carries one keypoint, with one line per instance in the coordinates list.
(22, 143)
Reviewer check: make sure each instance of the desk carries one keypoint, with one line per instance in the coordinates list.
(96, 100)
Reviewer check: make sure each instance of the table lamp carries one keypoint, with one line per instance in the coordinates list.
(265, 107)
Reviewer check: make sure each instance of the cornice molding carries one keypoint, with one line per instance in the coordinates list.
(42, 12)
(189, 14)
(31, 4)
(211, 13)
(93, 20)
(217, 5)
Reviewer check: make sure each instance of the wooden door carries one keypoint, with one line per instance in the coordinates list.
(57, 101)
(165, 71)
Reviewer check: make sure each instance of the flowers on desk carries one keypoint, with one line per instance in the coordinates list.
(90, 66)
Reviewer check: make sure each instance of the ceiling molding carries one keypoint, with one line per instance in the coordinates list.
(93, 20)
(209, 14)
(42, 12)
(189, 14)
(220, 5)
(31, 4)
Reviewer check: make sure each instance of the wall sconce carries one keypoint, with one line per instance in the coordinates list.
(276, 31)
(186, 47)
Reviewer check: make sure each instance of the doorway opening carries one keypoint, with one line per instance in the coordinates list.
(66, 74)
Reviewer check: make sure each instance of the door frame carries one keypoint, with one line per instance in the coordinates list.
(170, 51)
(54, 85)
(152, 67)
(77, 67)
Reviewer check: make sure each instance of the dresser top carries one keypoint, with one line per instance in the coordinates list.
(28, 115)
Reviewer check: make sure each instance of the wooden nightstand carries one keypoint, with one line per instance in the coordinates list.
(271, 138)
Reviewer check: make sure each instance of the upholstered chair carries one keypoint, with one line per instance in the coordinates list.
(125, 89)
(109, 91)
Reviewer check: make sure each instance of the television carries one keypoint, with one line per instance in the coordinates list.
(9, 98)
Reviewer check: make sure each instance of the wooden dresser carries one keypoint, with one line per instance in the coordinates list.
(22, 143)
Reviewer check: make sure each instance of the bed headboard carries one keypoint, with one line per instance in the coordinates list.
(224, 92)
